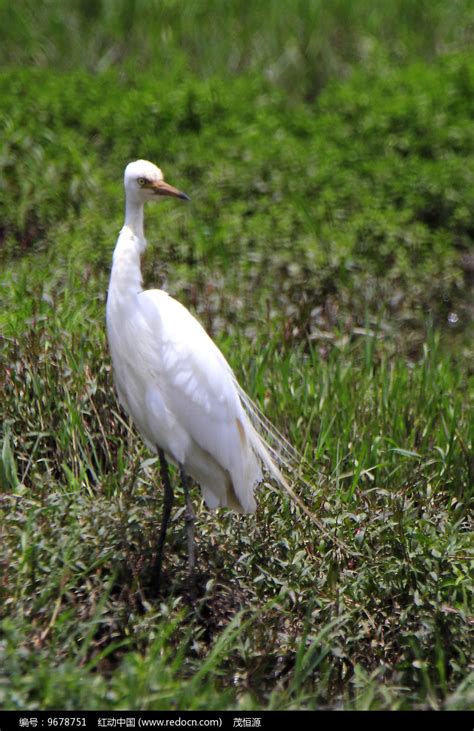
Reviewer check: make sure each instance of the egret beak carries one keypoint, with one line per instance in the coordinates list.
(162, 188)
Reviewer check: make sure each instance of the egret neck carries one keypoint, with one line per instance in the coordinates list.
(126, 277)
(134, 217)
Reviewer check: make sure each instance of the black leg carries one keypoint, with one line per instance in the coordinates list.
(189, 518)
(167, 505)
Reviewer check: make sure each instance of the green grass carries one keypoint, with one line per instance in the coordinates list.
(328, 250)
(317, 628)
(299, 45)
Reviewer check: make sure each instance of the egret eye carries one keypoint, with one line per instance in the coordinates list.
(141, 181)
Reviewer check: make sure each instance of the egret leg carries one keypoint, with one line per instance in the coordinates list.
(189, 518)
(167, 505)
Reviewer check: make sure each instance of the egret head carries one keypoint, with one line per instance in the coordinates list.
(144, 182)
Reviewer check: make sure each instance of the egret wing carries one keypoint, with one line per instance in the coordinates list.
(194, 379)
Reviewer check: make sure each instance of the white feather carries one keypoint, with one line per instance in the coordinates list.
(176, 384)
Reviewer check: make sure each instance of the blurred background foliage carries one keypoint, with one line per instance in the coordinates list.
(328, 151)
(298, 45)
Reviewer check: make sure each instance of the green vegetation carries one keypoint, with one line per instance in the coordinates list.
(328, 250)
(299, 45)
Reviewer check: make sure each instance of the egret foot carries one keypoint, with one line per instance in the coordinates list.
(189, 518)
(167, 505)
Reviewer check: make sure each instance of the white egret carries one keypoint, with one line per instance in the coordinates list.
(175, 383)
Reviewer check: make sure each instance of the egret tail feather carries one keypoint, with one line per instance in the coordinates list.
(278, 454)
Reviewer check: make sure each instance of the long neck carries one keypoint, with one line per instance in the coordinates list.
(126, 277)
(134, 218)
